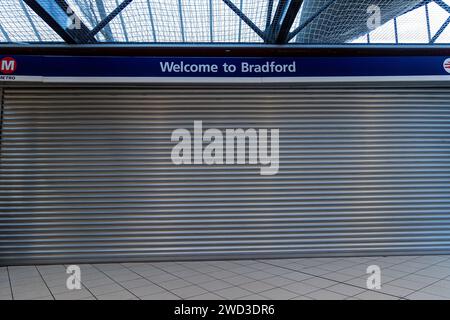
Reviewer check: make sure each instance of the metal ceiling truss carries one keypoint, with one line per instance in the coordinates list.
(57, 13)
(277, 29)
(438, 33)
(244, 18)
(104, 23)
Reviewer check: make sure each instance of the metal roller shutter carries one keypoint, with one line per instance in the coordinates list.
(86, 174)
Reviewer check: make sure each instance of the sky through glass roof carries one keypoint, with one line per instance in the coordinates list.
(225, 21)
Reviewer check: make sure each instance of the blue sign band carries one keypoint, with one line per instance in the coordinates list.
(226, 67)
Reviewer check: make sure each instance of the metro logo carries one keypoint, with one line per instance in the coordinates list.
(447, 65)
(8, 65)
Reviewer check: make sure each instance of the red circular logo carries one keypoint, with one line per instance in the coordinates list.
(8, 65)
(447, 65)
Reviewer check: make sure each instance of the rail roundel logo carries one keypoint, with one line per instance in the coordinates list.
(447, 65)
(8, 65)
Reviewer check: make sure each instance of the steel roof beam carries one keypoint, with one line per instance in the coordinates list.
(102, 24)
(5, 34)
(304, 24)
(269, 14)
(271, 30)
(59, 16)
(244, 18)
(286, 20)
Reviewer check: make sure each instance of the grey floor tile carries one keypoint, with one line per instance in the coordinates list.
(372, 295)
(215, 285)
(324, 294)
(301, 298)
(315, 271)
(146, 291)
(189, 291)
(345, 289)
(409, 266)
(393, 273)
(51, 269)
(435, 272)
(133, 264)
(201, 278)
(430, 259)
(277, 271)
(442, 283)
(260, 265)
(161, 278)
(165, 295)
(278, 294)
(5, 291)
(27, 281)
(338, 276)
(120, 295)
(29, 288)
(97, 282)
(438, 290)
(242, 270)
(174, 284)
(136, 283)
(278, 281)
(253, 297)
(259, 275)
(6, 297)
(238, 280)
(420, 278)
(222, 274)
(308, 262)
(233, 293)
(110, 267)
(61, 289)
(395, 291)
(319, 282)
(144, 268)
(408, 284)
(226, 265)
(445, 263)
(55, 276)
(300, 288)
(186, 273)
(174, 267)
(257, 286)
(105, 289)
(44, 298)
(358, 282)
(354, 271)
(192, 264)
(207, 269)
(207, 296)
(73, 295)
(125, 277)
(92, 276)
(246, 262)
(28, 295)
(297, 276)
(308, 278)
(424, 296)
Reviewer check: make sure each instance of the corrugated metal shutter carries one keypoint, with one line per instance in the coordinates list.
(86, 174)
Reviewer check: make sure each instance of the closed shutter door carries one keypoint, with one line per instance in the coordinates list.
(87, 175)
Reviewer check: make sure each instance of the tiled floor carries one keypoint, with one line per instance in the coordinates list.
(423, 277)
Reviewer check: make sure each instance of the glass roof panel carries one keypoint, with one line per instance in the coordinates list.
(18, 23)
(213, 21)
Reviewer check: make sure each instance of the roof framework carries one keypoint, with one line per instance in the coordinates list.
(224, 21)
